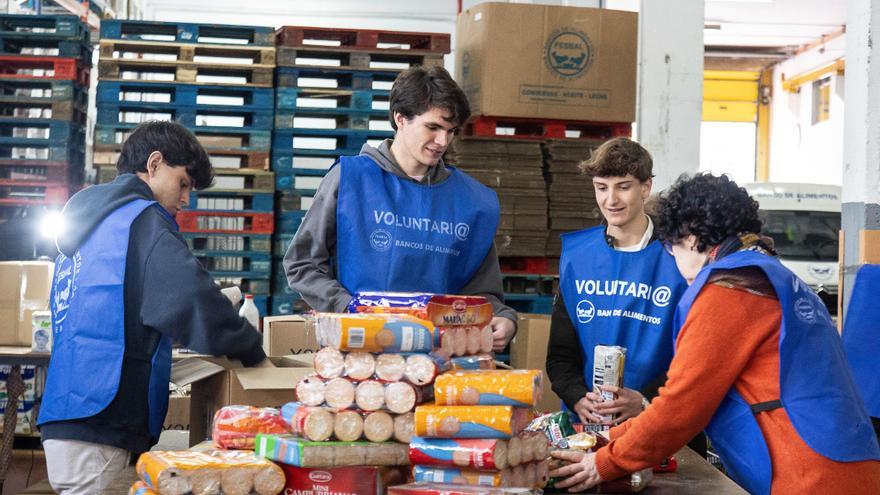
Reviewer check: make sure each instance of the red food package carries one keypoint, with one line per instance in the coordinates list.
(235, 427)
(670, 465)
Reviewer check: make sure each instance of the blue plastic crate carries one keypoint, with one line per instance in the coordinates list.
(280, 243)
(229, 243)
(230, 201)
(189, 117)
(49, 27)
(362, 120)
(280, 286)
(303, 162)
(528, 303)
(185, 95)
(288, 222)
(256, 286)
(262, 304)
(306, 186)
(328, 77)
(29, 45)
(345, 99)
(46, 154)
(246, 264)
(288, 305)
(186, 32)
(44, 98)
(14, 131)
(324, 142)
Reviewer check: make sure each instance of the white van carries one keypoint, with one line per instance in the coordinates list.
(804, 222)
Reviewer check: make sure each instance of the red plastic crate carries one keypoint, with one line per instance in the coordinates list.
(535, 265)
(483, 126)
(200, 221)
(39, 170)
(63, 68)
(11, 192)
(363, 39)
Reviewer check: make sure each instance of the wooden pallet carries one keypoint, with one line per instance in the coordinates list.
(220, 158)
(362, 39)
(328, 58)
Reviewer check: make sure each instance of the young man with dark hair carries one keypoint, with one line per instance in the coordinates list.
(125, 286)
(396, 218)
(617, 286)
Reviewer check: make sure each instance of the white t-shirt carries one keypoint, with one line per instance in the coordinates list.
(646, 239)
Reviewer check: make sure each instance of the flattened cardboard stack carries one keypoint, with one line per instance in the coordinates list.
(514, 169)
(572, 200)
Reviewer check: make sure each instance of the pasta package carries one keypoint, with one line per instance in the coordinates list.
(374, 332)
(202, 473)
(423, 488)
(299, 452)
(141, 488)
(469, 421)
(519, 388)
(482, 454)
(555, 426)
(440, 309)
(473, 363)
(458, 476)
(235, 427)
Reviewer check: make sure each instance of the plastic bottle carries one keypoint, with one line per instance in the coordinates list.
(250, 312)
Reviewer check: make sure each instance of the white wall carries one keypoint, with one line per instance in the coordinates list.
(799, 150)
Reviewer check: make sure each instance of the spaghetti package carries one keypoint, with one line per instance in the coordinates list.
(473, 363)
(141, 488)
(447, 489)
(442, 310)
(374, 332)
(531, 475)
(469, 421)
(608, 366)
(483, 454)
(202, 473)
(519, 388)
(303, 453)
(235, 427)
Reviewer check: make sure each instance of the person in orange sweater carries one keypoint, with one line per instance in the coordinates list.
(758, 364)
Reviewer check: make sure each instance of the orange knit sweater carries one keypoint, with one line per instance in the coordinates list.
(730, 338)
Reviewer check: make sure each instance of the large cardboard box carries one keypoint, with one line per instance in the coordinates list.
(216, 383)
(548, 62)
(529, 351)
(24, 288)
(177, 417)
(289, 334)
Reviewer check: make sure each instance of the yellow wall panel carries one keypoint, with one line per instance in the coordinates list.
(727, 90)
(729, 111)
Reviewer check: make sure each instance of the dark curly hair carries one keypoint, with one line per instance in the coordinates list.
(710, 207)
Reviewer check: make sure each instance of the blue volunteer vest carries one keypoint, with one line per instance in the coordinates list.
(621, 298)
(818, 392)
(861, 335)
(394, 234)
(88, 327)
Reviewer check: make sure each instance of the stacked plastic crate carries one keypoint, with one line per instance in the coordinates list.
(332, 92)
(217, 81)
(44, 77)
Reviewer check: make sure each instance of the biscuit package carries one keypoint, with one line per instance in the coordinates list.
(202, 473)
(374, 332)
(469, 421)
(440, 309)
(519, 388)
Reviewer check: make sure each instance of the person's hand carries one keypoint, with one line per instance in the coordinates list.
(628, 404)
(503, 329)
(580, 475)
(585, 408)
(266, 363)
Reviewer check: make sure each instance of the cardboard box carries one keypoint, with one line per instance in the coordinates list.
(289, 334)
(24, 288)
(548, 62)
(529, 351)
(177, 417)
(355, 480)
(216, 383)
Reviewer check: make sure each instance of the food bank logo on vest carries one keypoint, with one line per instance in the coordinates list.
(659, 296)
(585, 311)
(459, 230)
(568, 53)
(64, 286)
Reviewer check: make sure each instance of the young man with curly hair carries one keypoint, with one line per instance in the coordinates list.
(617, 286)
(396, 218)
(758, 364)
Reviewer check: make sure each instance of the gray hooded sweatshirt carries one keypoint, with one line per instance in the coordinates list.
(309, 261)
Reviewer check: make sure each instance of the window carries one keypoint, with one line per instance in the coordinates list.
(821, 100)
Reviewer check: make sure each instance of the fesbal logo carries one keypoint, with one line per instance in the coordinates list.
(568, 53)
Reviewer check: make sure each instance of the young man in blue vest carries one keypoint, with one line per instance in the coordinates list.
(125, 286)
(396, 218)
(617, 286)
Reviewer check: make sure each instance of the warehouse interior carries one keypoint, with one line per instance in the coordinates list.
(776, 95)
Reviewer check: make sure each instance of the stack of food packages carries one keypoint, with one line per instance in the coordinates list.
(375, 365)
